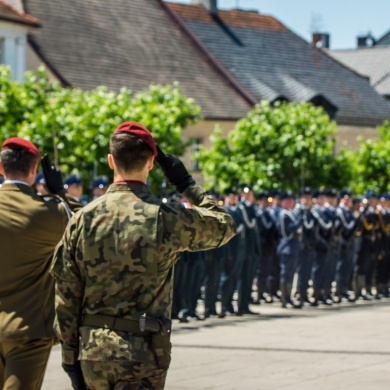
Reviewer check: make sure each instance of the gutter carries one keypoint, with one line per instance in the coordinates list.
(207, 55)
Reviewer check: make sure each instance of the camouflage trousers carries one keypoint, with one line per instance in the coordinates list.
(111, 375)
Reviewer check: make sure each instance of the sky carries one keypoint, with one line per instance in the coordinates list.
(344, 20)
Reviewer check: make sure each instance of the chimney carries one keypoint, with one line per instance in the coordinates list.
(321, 40)
(365, 41)
(210, 5)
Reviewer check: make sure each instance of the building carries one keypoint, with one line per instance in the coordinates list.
(370, 59)
(14, 27)
(226, 60)
(385, 40)
(271, 62)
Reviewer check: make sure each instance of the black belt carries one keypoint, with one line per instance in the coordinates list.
(114, 323)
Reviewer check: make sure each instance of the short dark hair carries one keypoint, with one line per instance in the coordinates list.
(17, 161)
(129, 152)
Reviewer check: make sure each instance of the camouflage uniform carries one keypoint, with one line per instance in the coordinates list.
(116, 259)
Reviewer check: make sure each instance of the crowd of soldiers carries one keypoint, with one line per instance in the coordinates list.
(332, 247)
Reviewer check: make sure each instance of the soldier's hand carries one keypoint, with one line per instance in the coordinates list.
(75, 375)
(174, 170)
(53, 176)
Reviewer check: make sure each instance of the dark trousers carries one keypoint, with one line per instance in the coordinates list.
(318, 271)
(383, 263)
(196, 271)
(245, 285)
(305, 265)
(366, 260)
(231, 274)
(23, 363)
(345, 267)
(330, 268)
(180, 281)
(264, 271)
(288, 265)
(214, 267)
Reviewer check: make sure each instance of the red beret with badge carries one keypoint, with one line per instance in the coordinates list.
(139, 131)
(23, 144)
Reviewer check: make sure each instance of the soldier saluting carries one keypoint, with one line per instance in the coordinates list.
(114, 267)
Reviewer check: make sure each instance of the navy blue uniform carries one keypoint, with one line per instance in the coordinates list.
(346, 260)
(235, 255)
(251, 256)
(323, 232)
(268, 241)
(288, 250)
(306, 258)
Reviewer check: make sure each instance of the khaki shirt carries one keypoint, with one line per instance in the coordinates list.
(30, 228)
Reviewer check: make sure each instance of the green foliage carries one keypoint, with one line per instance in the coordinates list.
(74, 126)
(286, 145)
(371, 163)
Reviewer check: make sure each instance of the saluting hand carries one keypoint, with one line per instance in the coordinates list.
(174, 170)
(53, 176)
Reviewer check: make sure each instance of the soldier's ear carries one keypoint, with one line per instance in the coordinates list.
(110, 160)
(150, 163)
(34, 168)
(1, 169)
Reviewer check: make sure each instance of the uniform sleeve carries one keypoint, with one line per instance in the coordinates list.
(202, 226)
(73, 204)
(69, 290)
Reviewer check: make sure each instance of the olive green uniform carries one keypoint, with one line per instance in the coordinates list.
(116, 259)
(30, 228)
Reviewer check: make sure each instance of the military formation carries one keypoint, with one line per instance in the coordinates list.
(316, 248)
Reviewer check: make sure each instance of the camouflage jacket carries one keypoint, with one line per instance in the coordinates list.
(116, 258)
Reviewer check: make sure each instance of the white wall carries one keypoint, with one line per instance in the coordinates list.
(15, 46)
(15, 3)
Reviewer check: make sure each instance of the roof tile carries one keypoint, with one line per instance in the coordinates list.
(372, 62)
(236, 18)
(130, 44)
(275, 63)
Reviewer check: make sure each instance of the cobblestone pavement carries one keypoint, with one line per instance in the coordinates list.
(344, 346)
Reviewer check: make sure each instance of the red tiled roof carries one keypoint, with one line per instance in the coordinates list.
(11, 14)
(234, 18)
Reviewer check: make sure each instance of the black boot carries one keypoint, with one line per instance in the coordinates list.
(327, 298)
(285, 289)
(316, 297)
(361, 284)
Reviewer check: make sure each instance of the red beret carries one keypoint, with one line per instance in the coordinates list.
(21, 143)
(139, 131)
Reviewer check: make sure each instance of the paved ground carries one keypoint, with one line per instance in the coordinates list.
(345, 346)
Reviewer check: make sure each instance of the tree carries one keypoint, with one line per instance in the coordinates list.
(74, 126)
(371, 163)
(285, 145)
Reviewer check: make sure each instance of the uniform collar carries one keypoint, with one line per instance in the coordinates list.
(15, 182)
